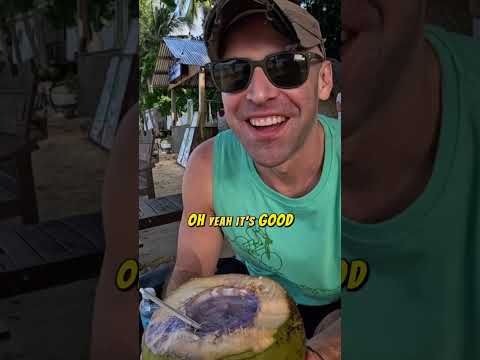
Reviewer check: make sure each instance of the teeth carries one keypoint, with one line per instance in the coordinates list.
(267, 121)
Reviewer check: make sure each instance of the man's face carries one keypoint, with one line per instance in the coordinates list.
(381, 37)
(251, 111)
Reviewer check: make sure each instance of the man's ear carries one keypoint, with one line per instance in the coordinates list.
(325, 80)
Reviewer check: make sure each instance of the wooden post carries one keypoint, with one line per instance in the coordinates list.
(121, 23)
(84, 25)
(475, 12)
(29, 32)
(475, 8)
(40, 25)
(174, 107)
(16, 48)
(202, 104)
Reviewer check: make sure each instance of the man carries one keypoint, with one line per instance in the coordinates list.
(410, 172)
(268, 60)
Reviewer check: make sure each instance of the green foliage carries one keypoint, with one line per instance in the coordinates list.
(194, 6)
(155, 23)
(160, 99)
(328, 14)
(9, 8)
(62, 13)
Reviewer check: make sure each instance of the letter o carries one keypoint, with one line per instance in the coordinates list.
(192, 220)
(272, 219)
(127, 275)
(281, 220)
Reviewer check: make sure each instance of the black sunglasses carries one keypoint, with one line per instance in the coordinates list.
(285, 70)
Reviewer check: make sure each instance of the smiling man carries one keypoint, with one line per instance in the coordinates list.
(280, 156)
(410, 192)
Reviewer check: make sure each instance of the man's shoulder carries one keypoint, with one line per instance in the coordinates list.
(201, 157)
(465, 50)
(226, 137)
(460, 56)
(227, 144)
(332, 124)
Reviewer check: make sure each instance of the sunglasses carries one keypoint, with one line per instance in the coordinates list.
(285, 70)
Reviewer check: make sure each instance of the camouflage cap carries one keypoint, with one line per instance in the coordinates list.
(286, 16)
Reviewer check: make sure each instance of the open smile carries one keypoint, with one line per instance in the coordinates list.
(268, 127)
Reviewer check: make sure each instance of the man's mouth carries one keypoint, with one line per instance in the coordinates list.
(259, 122)
(268, 127)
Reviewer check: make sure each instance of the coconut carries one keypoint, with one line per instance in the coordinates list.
(242, 317)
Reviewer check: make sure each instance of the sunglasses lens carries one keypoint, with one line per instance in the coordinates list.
(287, 70)
(232, 75)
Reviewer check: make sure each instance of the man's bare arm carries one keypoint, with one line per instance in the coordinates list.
(198, 247)
(115, 323)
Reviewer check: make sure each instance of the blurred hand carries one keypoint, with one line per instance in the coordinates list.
(310, 355)
(327, 338)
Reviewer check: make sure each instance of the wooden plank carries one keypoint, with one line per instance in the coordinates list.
(177, 199)
(104, 104)
(188, 147)
(19, 252)
(131, 44)
(181, 152)
(46, 246)
(26, 189)
(74, 243)
(6, 195)
(50, 274)
(145, 210)
(160, 211)
(90, 227)
(6, 262)
(27, 25)
(184, 80)
(118, 94)
(162, 205)
(160, 220)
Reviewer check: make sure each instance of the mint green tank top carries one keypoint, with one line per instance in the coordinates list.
(304, 257)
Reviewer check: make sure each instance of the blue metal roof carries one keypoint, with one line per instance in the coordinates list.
(189, 52)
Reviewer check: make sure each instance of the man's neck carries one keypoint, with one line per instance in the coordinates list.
(300, 174)
(388, 164)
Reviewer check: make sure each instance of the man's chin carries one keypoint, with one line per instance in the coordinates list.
(358, 116)
(268, 161)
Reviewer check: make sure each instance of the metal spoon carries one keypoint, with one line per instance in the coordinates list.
(178, 314)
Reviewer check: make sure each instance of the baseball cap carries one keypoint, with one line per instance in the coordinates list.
(286, 16)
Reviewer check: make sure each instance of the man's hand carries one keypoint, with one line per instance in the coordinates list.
(327, 338)
(310, 355)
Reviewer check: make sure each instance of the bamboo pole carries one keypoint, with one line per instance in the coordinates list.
(202, 104)
(174, 107)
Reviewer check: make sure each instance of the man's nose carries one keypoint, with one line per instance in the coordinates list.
(261, 89)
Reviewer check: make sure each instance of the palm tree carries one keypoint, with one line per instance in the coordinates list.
(156, 22)
(191, 8)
